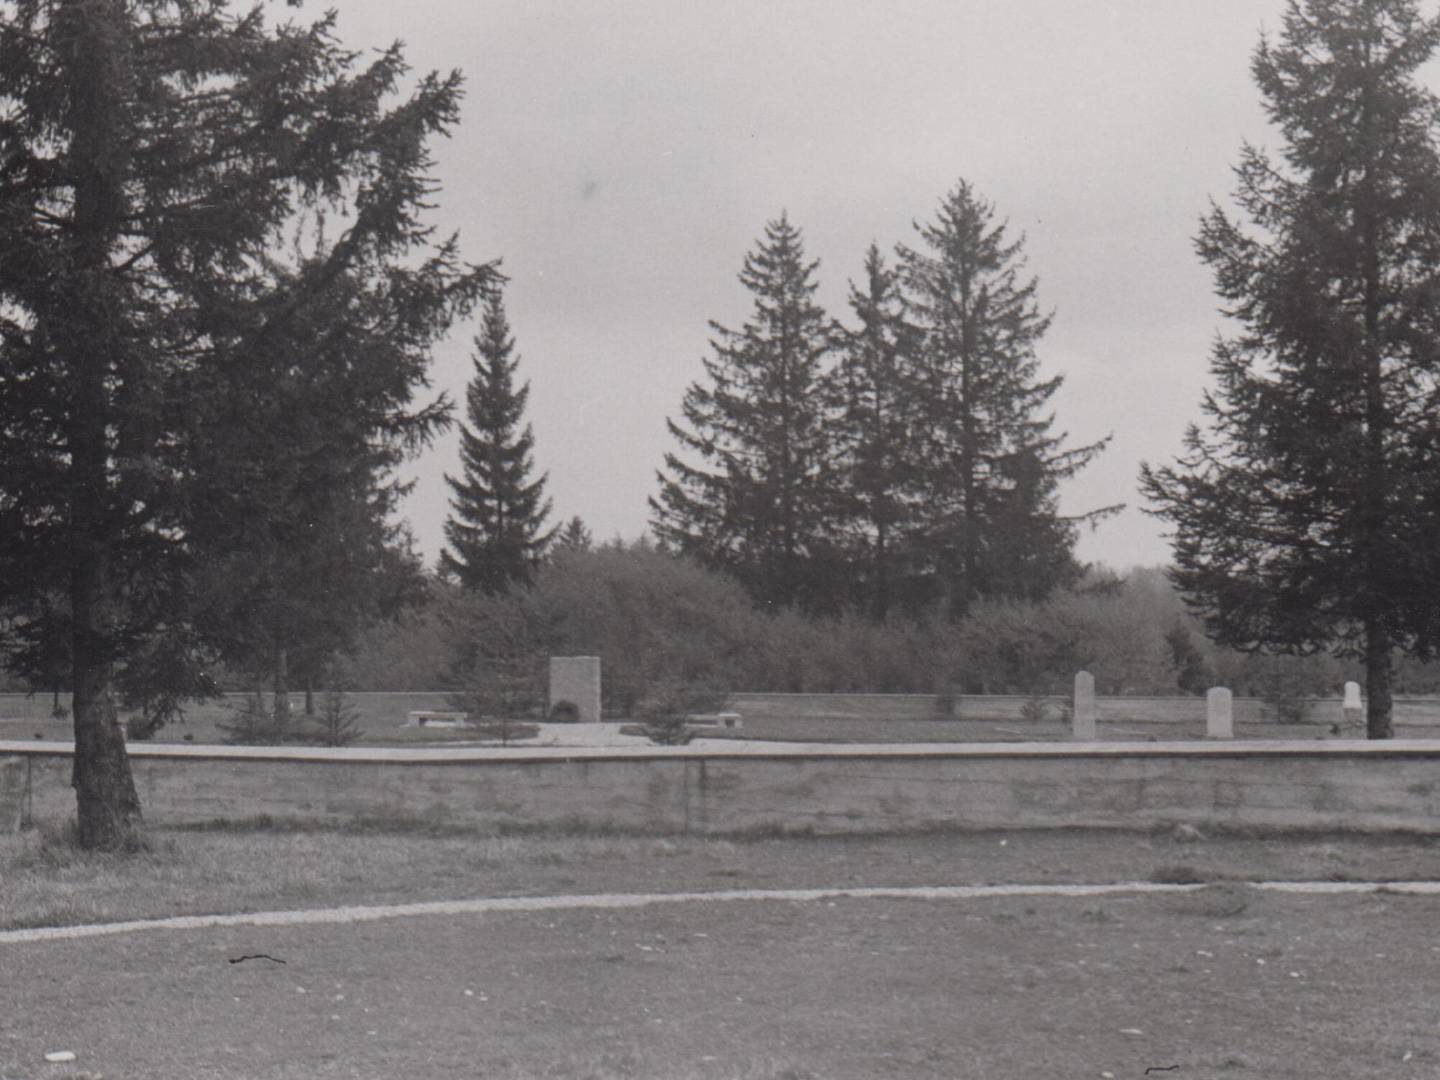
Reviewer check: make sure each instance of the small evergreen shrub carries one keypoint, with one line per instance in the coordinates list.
(253, 723)
(664, 710)
(1035, 709)
(564, 712)
(1287, 693)
(339, 720)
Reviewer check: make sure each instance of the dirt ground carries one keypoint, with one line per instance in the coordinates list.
(1227, 985)
(1224, 982)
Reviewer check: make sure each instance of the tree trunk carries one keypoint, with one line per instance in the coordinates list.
(309, 696)
(880, 609)
(106, 800)
(108, 808)
(88, 343)
(1378, 699)
(282, 688)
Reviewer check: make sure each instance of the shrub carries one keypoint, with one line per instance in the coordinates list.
(252, 723)
(1035, 709)
(1287, 690)
(506, 730)
(665, 709)
(564, 712)
(339, 720)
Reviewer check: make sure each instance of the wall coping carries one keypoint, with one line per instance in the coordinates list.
(717, 749)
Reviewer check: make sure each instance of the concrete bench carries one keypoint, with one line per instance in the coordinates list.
(732, 721)
(431, 718)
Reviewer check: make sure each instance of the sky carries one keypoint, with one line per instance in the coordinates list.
(621, 157)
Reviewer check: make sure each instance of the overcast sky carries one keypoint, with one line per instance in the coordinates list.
(623, 156)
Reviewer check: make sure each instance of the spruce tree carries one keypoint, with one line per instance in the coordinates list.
(879, 398)
(152, 154)
(755, 497)
(574, 536)
(497, 529)
(294, 537)
(1307, 516)
(988, 525)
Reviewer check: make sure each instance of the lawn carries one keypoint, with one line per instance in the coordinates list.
(379, 715)
(271, 865)
(1225, 982)
(842, 719)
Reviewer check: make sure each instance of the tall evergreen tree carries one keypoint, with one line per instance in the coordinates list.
(575, 536)
(152, 153)
(990, 525)
(877, 412)
(1308, 516)
(497, 531)
(294, 540)
(758, 502)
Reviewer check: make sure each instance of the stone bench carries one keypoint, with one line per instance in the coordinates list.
(432, 718)
(732, 721)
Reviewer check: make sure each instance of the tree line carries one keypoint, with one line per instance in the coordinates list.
(905, 463)
(661, 623)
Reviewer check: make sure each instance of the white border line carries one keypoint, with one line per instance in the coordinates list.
(324, 916)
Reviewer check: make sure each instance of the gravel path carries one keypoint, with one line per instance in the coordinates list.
(370, 913)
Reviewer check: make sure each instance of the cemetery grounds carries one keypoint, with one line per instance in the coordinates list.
(1209, 977)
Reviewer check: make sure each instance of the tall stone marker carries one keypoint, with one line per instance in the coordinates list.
(576, 679)
(1219, 713)
(1352, 711)
(1084, 715)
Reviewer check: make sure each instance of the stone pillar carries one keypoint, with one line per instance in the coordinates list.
(1083, 716)
(1352, 711)
(576, 679)
(1219, 714)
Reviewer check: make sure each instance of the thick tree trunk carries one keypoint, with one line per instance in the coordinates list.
(86, 333)
(1378, 670)
(107, 804)
(108, 807)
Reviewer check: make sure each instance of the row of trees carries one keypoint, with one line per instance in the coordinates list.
(906, 462)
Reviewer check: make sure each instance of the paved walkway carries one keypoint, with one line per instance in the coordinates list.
(355, 914)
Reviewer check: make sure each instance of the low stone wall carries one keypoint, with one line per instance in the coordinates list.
(1316, 785)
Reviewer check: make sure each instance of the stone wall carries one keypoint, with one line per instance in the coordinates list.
(1314, 785)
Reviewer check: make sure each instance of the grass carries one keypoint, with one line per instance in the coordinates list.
(833, 719)
(267, 864)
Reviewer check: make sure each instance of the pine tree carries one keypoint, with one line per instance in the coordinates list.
(990, 525)
(151, 155)
(758, 502)
(575, 536)
(497, 532)
(877, 412)
(1308, 516)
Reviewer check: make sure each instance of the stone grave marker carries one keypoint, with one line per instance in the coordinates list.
(576, 679)
(1219, 713)
(1352, 711)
